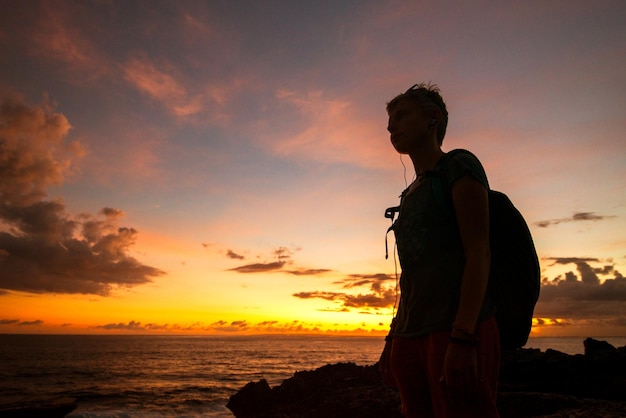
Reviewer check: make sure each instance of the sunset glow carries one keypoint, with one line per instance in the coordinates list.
(223, 167)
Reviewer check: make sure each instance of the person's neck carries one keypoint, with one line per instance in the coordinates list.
(426, 160)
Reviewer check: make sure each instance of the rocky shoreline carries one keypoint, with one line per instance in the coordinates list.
(533, 383)
(38, 408)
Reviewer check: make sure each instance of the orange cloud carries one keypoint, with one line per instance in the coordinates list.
(283, 256)
(331, 131)
(33, 155)
(230, 327)
(259, 267)
(43, 248)
(19, 323)
(146, 77)
(232, 255)
(55, 36)
(576, 217)
(593, 295)
(379, 296)
(164, 83)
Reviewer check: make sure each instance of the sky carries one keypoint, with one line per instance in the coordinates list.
(223, 167)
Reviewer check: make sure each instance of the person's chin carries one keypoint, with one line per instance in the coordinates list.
(400, 149)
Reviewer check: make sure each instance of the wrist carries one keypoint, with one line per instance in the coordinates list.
(463, 332)
(463, 337)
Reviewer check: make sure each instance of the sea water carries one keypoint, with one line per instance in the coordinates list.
(176, 376)
(134, 376)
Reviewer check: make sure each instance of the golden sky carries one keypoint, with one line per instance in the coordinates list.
(223, 167)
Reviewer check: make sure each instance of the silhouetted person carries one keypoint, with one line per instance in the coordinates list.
(445, 349)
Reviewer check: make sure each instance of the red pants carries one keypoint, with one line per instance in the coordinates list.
(417, 365)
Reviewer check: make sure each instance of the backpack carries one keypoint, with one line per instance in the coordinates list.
(514, 275)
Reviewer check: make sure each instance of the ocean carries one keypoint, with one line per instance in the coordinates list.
(176, 376)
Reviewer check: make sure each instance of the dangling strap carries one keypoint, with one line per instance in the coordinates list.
(390, 213)
(386, 245)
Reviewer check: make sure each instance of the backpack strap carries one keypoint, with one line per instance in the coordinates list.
(439, 187)
(439, 182)
(390, 213)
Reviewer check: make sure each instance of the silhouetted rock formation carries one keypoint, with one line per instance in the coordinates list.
(599, 373)
(332, 391)
(532, 384)
(44, 408)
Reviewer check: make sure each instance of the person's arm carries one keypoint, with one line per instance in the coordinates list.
(471, 203)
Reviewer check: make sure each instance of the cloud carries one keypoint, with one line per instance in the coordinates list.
(283, 256)
(230, 327)
(234, 256)
(576, 217)
(325, 128)
(283, 253)
(42, 247)
(320, 295)
(371, 300)
(308, 272)
(224, 327)
(374, 280)
(259, 267)
(33, 155)
(588, 274)
(162, 86)
(56, 36)
(36, 322)
(379, 296)
(596, 291)
(19, 323)
(167, 84)
(132, 325)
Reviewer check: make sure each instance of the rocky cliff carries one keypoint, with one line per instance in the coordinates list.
(532, 384)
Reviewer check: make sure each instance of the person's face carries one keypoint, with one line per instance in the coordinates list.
(408, 126)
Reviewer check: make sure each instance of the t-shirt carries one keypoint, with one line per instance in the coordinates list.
(431, 254)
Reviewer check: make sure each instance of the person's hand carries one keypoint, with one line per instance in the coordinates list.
(384, 365)
(460, 373)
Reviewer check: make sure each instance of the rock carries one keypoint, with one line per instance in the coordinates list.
(532, 384)
(595, 347)
(252, 399)
(48, 408)
(332, 391)
(533, 404)
(588, 376)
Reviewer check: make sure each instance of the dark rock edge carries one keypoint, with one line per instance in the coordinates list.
(532, 384)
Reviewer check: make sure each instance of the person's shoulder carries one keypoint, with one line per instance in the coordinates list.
(463, 156)
(460, 153)
(462, 162)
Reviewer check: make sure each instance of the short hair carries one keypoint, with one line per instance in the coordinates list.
(428, 97)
